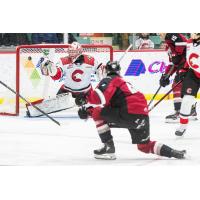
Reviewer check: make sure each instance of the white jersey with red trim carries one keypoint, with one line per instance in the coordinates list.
(193, 57)
(77, 75)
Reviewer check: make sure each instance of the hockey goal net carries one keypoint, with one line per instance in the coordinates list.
(26, 78)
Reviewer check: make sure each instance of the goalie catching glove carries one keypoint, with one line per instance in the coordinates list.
(48, 68)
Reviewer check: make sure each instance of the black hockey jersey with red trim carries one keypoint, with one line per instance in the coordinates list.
(114, 91)
(176, 44)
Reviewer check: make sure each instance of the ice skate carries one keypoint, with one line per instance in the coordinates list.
(178, 154)
(107, 152)
(173, 118)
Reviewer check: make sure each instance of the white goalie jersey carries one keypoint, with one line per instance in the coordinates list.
(77, 75)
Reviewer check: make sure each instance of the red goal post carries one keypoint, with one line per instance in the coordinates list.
(28, 79)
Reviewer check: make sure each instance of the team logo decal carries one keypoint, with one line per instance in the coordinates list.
(135, 68)
(77, 75)
(193, 59)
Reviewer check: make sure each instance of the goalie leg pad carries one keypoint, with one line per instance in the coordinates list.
(59, 103)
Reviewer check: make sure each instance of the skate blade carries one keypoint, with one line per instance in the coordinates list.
(105, 156)
(192, 118)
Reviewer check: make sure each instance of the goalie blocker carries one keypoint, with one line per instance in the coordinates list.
(59, 103)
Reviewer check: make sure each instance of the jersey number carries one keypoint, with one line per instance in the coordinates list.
(174, 38)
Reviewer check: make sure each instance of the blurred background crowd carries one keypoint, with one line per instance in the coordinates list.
(119, 41)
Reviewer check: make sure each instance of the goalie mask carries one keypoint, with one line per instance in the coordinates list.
(112, 67)
(195, 36)
(74, 50)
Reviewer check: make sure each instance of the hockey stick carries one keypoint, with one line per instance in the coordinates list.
(120, 57)
(125, 53)
(49, 54)
(164, 96)
(168, 74)
(2, 83)
(154, 96)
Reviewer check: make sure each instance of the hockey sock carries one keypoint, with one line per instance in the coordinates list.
(177, 106)
(166, 151)
(155, 148)
(103, 130)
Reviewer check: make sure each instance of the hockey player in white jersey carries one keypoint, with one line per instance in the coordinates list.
(191, 83)
(77, 69)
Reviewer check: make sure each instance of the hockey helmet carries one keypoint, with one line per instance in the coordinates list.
(74, 50)
(112, 67)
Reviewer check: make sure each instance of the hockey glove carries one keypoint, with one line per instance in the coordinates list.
(83, 113)
(164, 80)
(48, 68)
(81, 99)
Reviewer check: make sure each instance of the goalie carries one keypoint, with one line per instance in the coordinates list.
(77, 68)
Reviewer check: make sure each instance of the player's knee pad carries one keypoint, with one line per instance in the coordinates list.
(147, 148)
(187, 102)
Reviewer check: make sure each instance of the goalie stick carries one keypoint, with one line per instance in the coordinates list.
(49, 54)
(51, 118)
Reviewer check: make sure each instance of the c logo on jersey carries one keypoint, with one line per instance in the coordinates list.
(76, 75)
(193, 60)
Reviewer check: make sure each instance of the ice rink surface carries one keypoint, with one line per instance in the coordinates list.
(38, 141)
